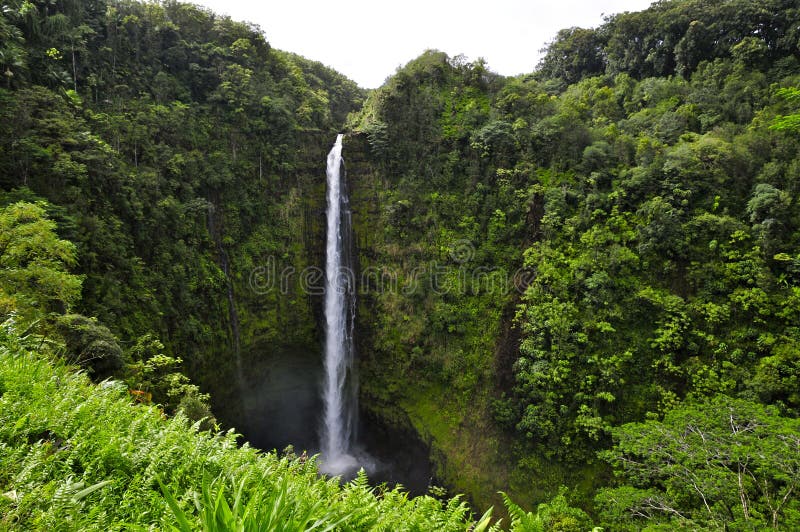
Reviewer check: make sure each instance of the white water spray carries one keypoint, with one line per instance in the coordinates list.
(339, 387)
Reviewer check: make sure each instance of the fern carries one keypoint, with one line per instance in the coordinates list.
(78, 456)
(183, 521)
(522, 521)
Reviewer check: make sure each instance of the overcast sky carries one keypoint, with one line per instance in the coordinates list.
(367, 40)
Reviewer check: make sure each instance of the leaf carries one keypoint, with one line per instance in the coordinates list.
(180, 516)
(21, 422)
(89, 490)
(484, 522)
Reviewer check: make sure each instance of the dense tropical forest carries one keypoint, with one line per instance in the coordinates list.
(580, 287)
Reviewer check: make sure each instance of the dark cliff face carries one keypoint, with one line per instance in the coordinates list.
(400, 351)
(368, 204)
(385, 429)
(276, 401)
(365, 206)
(277, 293)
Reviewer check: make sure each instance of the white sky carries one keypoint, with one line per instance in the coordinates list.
(368, 40)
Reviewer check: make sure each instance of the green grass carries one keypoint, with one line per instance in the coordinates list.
(79, 456)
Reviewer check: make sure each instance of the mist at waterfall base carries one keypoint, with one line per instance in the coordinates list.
(283, 406)
(297, 398)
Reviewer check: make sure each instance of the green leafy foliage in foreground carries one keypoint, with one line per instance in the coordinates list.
(78, 456)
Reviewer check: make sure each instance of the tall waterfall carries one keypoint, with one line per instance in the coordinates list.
(339, 387)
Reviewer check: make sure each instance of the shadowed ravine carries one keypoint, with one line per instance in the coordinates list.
(282, 408)
(307, 398)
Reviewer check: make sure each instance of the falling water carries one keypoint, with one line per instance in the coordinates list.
(339, 387)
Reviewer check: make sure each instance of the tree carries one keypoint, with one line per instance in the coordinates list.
(574, 54)
(553, 516)
(790, 122)
(34, 262)
(156, 377)
(90, 344)
(13, 55)
(719, 463)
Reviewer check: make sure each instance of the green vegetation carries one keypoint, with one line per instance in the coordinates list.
(707, 463)
(34, 278)
(642, 184)
(81, 456)
(78, 456)
(587, 276)
(178, 152)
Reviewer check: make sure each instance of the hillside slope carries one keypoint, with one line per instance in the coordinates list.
(607, 240)
(79, 456)
(183, 155)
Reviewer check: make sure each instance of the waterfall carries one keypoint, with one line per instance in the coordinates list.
(339, 387)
